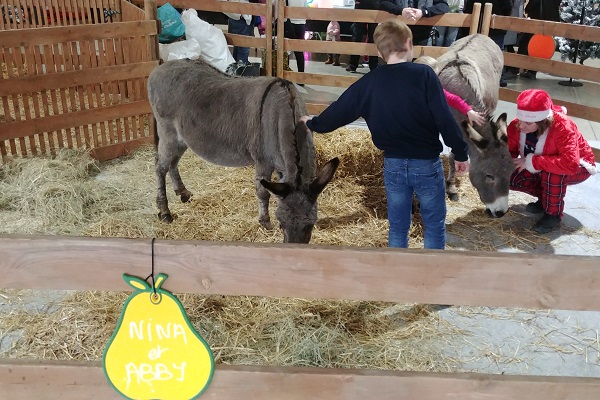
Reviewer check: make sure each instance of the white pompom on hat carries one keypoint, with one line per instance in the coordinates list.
(534, 105)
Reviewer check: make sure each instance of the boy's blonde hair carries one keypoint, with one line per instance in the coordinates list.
(390, 37)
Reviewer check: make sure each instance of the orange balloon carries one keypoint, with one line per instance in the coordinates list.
(541, 46)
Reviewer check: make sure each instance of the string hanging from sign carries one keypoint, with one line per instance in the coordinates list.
(152, 268)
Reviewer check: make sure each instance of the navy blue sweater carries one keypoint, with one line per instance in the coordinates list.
(405, 109)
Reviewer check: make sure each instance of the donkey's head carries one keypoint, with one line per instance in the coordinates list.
(491, 164)
(297, 206)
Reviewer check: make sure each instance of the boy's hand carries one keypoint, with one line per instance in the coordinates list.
(461, 167)
(306, 118)
(475, 117)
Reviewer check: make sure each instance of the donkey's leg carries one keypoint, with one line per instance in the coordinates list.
(263, 195)
(166, 154)
(178, 185)
(451, 180)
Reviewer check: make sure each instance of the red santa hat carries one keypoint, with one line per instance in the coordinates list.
(534, 105)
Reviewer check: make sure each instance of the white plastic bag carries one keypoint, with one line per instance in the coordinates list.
(211, 39)
(189, 48)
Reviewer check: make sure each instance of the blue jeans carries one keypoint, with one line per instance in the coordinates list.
(240, 27)
(447, 35)
(425, 178)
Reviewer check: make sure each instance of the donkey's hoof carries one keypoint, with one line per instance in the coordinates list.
(185, 198)
(266, 224)
(165, 218)
(453, 196)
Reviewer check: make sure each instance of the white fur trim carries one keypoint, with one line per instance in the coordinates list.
(533, 116)
(529, 164)
(564, 109)
(539, 147)
(591, 168)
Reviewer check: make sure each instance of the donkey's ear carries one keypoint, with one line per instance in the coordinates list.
(323, 178)
(501, 128)
(477, 139)
(277, 188)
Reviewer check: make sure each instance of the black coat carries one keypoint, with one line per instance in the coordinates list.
(547, 10)
(420, 32)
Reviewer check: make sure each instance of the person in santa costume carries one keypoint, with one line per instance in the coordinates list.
(549, 154)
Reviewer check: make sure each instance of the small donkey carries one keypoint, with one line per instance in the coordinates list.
(234, 122)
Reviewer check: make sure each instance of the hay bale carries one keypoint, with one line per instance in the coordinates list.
(74, 195)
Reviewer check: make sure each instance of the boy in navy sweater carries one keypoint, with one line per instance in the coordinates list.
(405, 109)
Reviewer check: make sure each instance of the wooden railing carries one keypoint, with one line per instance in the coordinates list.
(322, 272)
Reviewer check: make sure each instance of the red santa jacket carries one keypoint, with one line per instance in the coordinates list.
(560, 150)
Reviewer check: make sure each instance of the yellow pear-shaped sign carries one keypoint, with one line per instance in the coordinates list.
(155, 352)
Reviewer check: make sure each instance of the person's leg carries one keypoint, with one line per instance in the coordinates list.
(526, 182)
(399, 201)
(450, 37)
(554, 189)
(299, 30)
(524, 50)
(240, 27)
(358, 31)
(373, 60)
(427, 178)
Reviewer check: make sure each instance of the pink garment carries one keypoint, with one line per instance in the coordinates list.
(457, 102)
(333, 31)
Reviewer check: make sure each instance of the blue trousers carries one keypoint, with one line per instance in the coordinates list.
(240, 27)
(425, 178)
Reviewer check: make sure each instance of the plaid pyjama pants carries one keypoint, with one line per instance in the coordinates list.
(549, 188)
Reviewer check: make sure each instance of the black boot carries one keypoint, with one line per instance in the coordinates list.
(535, 208)
(547, 223)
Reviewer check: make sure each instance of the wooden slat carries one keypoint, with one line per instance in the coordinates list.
(50, 35)
(554, 67)
(320, 79)
(216, 5)
(307, 271)
(245, 41)
(119, 149)
(26, 380)
(571, 31)
(13, 130)
(574, 109)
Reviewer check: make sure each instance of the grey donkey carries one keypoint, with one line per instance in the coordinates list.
(235, 122)
(471, 69)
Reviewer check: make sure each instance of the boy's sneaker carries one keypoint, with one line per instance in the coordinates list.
(351, 68)
(547, 224)
(535, 208)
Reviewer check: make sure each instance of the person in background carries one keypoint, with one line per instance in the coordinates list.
(547, 10)
(405, 109)
(511, 39)
(446, 35)
(333, 35)
(499, 7)
(240, 24)
(549, 154)
(414, 10)
(297, 28)
(454, 100)
(358, 32)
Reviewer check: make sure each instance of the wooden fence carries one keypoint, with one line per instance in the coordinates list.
(106, 105)
(322, 272)
(72, 78)
(481, 20)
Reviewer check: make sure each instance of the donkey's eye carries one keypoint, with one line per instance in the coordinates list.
(490, 178)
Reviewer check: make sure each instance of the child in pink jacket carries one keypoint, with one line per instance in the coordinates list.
(333, 35)
(454, 100)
